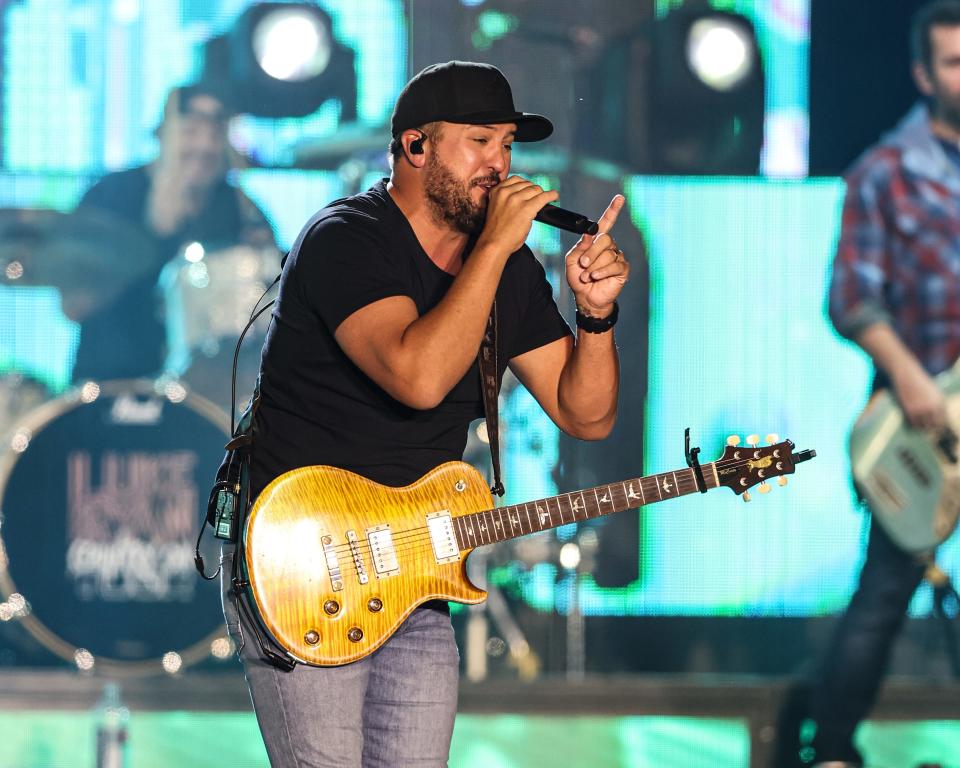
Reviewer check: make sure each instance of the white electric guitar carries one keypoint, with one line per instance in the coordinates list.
(910, 478)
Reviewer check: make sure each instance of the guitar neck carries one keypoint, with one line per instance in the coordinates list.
(492, 525)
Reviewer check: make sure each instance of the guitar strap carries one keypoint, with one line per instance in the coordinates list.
(489, 378)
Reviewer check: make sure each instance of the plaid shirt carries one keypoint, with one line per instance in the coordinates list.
(898, 258)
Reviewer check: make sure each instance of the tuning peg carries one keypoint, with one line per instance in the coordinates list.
(773, 438)
(764, 487)
(781, 480)
(733, 440)
(753, 439)
(747, 496)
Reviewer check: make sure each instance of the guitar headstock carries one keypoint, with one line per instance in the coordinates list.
(743, 466)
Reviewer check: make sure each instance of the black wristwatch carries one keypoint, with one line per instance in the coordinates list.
(592, 324)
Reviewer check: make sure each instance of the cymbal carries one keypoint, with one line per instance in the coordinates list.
(90, 256)
(351, 141)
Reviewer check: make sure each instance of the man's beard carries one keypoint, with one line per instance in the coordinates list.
(944, 106)
(949, 113)
(450, 201)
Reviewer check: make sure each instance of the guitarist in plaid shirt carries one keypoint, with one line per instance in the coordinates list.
(895, 292)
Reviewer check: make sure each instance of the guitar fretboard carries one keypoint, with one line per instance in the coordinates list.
(492, 525)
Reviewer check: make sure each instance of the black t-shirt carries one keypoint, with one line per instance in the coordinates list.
(126, 338)
(317, 407)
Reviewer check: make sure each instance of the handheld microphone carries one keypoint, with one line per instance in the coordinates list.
(561, 218)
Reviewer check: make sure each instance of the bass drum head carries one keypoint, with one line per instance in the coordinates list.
(102, 494)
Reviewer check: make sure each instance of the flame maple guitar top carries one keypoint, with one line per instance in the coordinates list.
(330, 582)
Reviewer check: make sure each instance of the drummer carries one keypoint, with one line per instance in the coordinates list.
(182, 196)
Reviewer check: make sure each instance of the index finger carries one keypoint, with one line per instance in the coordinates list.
(609, 218)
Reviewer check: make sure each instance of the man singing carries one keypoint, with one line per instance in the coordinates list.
(371, 366)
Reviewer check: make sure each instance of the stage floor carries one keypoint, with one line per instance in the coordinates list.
(196, 720)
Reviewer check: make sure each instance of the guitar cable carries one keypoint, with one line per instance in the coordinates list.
(223, 484)
(237, 584)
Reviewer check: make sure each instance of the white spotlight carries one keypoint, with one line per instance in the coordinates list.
(570, 555)
(291, 44)
(719, 52)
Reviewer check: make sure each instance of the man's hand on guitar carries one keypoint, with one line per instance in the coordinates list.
(920, 398)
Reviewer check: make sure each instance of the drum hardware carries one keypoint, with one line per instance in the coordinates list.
(90, 256)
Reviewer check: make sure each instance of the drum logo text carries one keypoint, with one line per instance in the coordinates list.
(129, 534)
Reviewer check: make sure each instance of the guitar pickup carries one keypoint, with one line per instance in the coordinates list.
(890, 492)
(382, 551)
(445, 547)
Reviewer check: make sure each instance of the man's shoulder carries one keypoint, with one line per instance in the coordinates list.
(347, 228)
(123, 183)
(878, 165)
(363, 216)
(367, 210)
(887, 159)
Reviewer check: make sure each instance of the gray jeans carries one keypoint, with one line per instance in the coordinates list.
(392, 709)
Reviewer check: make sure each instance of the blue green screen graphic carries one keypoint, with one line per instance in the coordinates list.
(738, 338)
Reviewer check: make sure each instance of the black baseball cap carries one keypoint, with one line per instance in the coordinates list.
(465, 92)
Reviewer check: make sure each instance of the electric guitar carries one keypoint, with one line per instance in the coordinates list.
(909, 477)
(336, 562)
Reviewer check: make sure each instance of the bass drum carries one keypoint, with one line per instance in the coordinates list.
(19, 394)
(102, 492)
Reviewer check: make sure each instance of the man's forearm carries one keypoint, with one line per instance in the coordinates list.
(921, 399)
(589, 386)
(887, 350)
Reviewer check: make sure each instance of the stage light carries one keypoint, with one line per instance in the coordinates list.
(569, 556)
(491, 26)
(705, 102)
(283, 60)
(291, 44)
(719, 52)
(677, 95)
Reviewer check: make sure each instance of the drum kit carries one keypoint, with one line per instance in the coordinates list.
(103, 487)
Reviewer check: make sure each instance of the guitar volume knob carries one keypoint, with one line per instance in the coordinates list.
(355, 635)
(331, 607)
(312, 637)
(375, 605)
